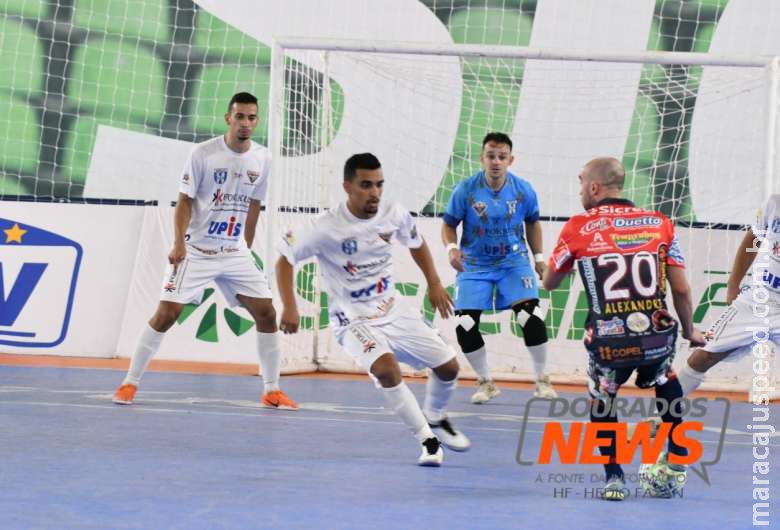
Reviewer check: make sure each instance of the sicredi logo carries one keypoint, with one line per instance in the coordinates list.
(38, 273)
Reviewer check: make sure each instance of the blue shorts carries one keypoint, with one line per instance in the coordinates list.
(477, 290)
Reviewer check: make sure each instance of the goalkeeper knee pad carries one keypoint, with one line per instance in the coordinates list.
(529, 316)
(467, 330)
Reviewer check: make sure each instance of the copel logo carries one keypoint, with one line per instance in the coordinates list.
(38, 273)
(228, 228)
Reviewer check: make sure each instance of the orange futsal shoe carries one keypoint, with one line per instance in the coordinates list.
(276, 399)
(124, 395)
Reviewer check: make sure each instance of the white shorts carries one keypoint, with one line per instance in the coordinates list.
(407, 336)
(738, 328)
(234, 273)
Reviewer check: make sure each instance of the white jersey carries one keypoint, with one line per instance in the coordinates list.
(766, 267)
(356, 259)
(221, 183)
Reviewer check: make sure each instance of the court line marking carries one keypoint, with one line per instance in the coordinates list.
(322, 406)
(284, 415)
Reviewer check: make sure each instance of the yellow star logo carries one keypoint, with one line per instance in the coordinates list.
(14, 234)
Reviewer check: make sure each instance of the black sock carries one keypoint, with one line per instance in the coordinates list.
(598, 414)
(670, 391)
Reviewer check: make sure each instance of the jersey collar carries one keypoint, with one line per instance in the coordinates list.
(614, 200)
(485, 182)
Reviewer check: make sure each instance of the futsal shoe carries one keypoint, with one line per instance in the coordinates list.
(276, 399)
(615, 490)
(487, 391)
(125, 394)
(544, 389)
(450, 436)
(432, 454)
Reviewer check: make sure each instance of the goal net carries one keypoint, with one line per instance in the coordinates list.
(695, 133)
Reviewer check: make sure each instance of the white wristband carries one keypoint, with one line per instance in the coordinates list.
(539, 257)
(451, 246)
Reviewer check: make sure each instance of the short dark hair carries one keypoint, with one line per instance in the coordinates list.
(359, 161)
(241, 97)
(497, 138)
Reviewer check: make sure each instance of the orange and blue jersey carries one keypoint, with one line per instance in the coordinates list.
(622, 253)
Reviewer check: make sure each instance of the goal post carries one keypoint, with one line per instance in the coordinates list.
(424, 108)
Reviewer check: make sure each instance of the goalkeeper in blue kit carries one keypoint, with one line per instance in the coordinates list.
(500, 217)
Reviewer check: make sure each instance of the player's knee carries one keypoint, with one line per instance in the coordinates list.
(165, 316)
(266, 314)
(702, 360)
(447, 371)
(467, 330)
(386, 370)
(529, 316)
(263, 313)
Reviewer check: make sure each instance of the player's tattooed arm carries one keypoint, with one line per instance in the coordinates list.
(181, 220)
(437, 294)
(284, 281)
(746, 254)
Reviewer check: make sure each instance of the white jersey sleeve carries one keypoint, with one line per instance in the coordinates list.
(765, 215)
(261, 190)
(301, 244)
(192, 175)
(407, 233)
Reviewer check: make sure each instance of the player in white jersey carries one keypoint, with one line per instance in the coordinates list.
(752, 319)
(215, 218)
(353, 244)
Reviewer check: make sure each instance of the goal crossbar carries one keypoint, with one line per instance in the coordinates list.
(522, 52)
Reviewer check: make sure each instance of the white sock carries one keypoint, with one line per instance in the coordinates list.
(539, 355)
(478, 361)
(690, 379)
(437, 395)
(268, 352)
(147, 346)
(403, 403)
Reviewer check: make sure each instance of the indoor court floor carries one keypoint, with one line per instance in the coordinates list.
(197, 451)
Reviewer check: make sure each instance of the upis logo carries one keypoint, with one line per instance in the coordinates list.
(38, 273)
(229, 228)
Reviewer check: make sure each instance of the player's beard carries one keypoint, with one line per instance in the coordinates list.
(587, 201)
(496, 176)
(371, 208)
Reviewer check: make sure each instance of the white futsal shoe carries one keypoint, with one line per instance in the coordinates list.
(432, 454)
(544, 389)
(450, 436)
(487, 390)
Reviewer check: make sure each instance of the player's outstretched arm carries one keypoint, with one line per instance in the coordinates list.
(533, 233)
(683, 305)
(746, 254)
(181, 220)
(437, 294)
(252, 214)
(284, 281)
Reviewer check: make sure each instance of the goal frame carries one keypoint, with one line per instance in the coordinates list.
(282, 44)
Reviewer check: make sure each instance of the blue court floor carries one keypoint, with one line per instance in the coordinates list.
(197, 451)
